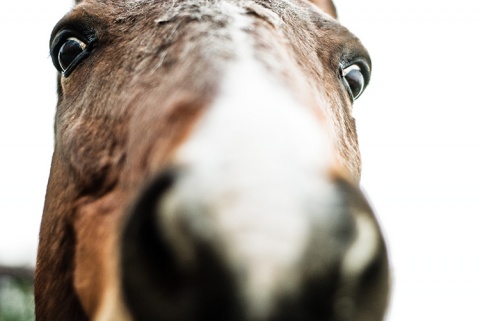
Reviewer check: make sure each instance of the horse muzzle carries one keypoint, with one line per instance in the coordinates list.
(254, 220)
(253, 251)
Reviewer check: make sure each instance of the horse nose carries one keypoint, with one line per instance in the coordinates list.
(156, 284)
(344, 270)
(187, 258)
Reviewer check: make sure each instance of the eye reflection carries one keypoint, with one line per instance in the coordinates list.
(70, 50)
(355, 80)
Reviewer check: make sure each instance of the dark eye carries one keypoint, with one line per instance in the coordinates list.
(354, 80)
(68, 51)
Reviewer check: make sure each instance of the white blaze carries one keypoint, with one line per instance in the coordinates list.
(251, 163)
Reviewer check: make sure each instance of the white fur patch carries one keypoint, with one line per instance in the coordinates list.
(253, 161)
(112, 307)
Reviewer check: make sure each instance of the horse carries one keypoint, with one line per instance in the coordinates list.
(206, 166)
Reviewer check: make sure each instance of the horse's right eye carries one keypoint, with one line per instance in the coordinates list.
(69, 50)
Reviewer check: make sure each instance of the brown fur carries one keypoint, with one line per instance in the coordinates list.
(128, 107)
(327, 6)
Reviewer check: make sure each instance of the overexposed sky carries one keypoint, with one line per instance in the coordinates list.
(419, 133)
(27, 106)
(417, 122)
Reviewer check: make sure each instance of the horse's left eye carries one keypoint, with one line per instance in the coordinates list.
(68, 51)
(354, 80)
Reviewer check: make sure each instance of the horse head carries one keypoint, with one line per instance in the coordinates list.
(206, 166)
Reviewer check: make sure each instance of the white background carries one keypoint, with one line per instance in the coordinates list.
(417, 124)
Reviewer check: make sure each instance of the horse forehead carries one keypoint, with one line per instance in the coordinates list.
(282, 15)
(264, 9)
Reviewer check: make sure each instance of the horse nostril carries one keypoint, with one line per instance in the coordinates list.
(145, 260)
(344, 271)
(155, 282)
